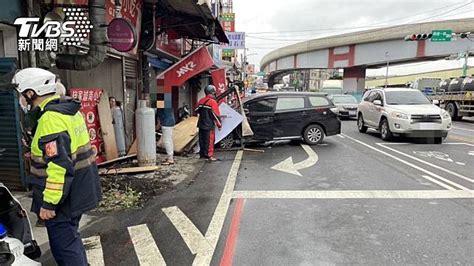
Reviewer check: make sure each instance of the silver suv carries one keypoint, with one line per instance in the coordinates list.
(402, 111)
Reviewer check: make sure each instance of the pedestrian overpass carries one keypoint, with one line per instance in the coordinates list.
(357, 51)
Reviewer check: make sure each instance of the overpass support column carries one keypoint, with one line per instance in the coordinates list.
(354, 79)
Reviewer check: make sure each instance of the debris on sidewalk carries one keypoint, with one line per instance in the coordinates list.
(127, 170)
(184, 136)
(131, 191)
(107, 128)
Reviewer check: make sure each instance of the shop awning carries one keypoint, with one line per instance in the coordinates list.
(193, 64)
(190, 19)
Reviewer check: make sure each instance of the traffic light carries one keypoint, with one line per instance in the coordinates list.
(418, 37)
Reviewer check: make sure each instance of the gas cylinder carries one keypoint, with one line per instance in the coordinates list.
(119, 130)
(146, 138)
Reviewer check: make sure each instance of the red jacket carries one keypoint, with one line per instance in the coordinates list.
(209, 114)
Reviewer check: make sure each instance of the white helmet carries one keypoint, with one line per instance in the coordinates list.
(41, 81)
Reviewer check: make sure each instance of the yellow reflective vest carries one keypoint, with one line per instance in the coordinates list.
(64, 173)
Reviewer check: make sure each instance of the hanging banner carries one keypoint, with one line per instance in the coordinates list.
(219, 80)
(89, 99)
(228, 21)
(228, 53)
(236, 40)
(188, 67)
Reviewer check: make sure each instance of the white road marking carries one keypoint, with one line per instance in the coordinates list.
(188, 231)
(395, 143)
(460, 163)
(465, 129)
(355, 194)
(428, 163)
(458, 143)
(94, 253)
(409, 164)
(341, 136)
(147, 251)
(471, 153)
(287, 166)
(438, 182)
(217, 222)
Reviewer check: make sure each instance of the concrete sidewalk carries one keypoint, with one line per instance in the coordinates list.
(39, 233)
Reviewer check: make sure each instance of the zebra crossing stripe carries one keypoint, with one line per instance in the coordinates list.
(193, 238)
(145, 246)
(94, 252)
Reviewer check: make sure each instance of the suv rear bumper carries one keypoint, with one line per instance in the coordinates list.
(334, 128)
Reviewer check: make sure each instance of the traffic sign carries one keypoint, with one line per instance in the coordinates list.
(441, 35)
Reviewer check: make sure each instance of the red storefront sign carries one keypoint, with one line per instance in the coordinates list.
(188, 67)
(228, 26)
(89, 99)
(131, 10)
(218, 79)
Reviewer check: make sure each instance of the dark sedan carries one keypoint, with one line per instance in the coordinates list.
(346, 105)
(292, 116)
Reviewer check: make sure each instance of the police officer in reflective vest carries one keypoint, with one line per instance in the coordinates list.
(65, 178)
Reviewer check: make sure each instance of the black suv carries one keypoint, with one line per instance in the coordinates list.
(292, 116)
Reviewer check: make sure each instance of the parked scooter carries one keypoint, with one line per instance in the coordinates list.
(183, 113)
(17, 244)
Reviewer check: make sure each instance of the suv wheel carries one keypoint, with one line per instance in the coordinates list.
(361, 125)
(314, 134)
(385, 132)
(228, 142)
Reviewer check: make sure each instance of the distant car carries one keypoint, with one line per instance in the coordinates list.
(292, 116)
(346, 105)
(401, 111)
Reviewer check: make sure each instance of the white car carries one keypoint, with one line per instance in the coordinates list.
(402, 111)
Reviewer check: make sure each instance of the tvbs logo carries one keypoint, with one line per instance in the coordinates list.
(72, 31)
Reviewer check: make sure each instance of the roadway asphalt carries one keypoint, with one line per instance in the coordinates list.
(357, 200)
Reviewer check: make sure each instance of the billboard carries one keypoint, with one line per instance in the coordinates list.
(236, 40)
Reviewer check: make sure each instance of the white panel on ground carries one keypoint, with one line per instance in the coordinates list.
(188, 231)
(94, 253)
(147, 251)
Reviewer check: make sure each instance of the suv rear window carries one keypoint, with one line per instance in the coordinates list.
(290, 103)
(262, 106)
(318, 101)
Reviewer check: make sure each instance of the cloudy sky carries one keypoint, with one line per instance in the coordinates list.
(271, 24)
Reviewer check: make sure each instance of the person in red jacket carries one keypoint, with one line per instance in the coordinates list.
(209, 118)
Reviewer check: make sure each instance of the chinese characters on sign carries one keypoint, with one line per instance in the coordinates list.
(236, 40)
(89, 99)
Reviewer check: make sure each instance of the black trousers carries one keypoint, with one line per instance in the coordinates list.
(206, 143)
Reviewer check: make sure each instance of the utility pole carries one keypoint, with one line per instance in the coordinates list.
(465, 67)
(386, 73)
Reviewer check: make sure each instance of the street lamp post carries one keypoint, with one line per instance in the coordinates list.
(386, 72)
